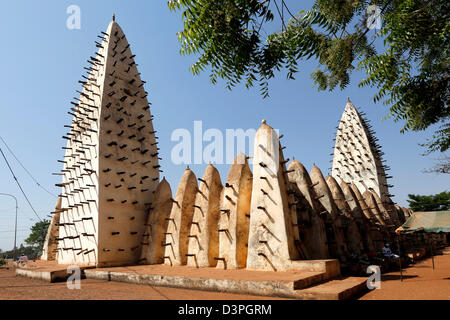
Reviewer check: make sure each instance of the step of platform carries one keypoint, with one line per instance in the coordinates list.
(47, 271)
(338, 289)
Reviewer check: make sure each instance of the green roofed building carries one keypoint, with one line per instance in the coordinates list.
(433, 221)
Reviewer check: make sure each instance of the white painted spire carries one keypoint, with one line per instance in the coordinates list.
(111, 164)
(357, 157)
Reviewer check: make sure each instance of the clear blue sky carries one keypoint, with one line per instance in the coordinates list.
(42, 61)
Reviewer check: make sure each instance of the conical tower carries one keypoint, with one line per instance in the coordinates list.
(274, 242)
(357, 156)
(111, 165)
(203, 246)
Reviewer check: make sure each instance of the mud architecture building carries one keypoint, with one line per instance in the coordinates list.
(114, 209)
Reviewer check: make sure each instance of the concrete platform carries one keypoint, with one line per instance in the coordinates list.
(319, 279)
(48, 271)
(292, 284)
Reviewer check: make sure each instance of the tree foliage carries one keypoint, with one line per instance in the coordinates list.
(411, 72)
(32, 252)
(437, 202)
(37, 235)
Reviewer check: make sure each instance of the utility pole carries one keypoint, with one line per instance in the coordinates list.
(15, 225)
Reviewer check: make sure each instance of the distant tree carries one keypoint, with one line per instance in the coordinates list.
(32, 252)
(37, 237)
(410, 71)
(437, 202)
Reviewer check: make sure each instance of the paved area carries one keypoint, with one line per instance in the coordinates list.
(420, 282)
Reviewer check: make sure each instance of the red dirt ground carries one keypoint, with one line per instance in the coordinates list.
(21, 288)
(420, 282)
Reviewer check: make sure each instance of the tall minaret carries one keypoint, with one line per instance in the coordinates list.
(111, 165)
(357, 156)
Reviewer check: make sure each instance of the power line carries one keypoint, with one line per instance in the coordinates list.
(20, 187)
(31, 176)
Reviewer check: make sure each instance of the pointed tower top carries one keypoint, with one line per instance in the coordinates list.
(359, 137)
(241, 158)
(349, 106)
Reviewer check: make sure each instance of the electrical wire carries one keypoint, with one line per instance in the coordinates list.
(20, 187)
(28, 172)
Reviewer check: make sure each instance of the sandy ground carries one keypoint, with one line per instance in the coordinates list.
(420, 282)
(21, 288)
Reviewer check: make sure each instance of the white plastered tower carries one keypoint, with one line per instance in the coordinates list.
(110, 168)
(357, 156)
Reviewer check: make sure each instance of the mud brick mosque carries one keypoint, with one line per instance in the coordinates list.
(115, 210)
